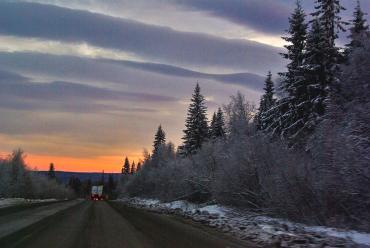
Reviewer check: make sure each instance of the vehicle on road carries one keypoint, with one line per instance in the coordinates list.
(97, 193)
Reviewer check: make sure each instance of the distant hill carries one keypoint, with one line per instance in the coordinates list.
(64, 176)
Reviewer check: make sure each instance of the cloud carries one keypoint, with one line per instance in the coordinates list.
(248, 80)
(122, 72)
(155, 43)
(18, 93)
(268, 16)
(6, 76)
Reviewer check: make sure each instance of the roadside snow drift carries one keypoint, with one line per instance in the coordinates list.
(250, 226)
(8, 202)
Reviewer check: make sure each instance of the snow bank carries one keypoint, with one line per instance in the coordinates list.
(7, 202)
(256, 228)
(357, 237)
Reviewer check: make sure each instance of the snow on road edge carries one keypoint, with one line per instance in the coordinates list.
(8, 202)
(249, 226)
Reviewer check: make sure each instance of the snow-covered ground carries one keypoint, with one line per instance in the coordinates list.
(260, 229)
(7, 202)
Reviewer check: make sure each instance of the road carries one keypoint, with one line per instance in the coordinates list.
(113, 225)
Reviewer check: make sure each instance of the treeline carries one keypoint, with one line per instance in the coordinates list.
(82, 188)
(303, 155)
(16, 180)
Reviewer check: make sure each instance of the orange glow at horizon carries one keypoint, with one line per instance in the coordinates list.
(110, 164)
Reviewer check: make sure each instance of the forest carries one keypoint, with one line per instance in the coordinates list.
(302, 154)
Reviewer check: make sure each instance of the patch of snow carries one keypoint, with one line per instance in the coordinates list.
(215, 209)
(142, 201)
(7, 202)
(357, 237)
(183, 205)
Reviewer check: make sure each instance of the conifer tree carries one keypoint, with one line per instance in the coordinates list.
(133, 167)
(159, 140)
(220, 124)
(266, 103)
(309, 91)
(139, 166)
(297, 34)
(217, 127)
(126, 167)
(196, 131)
(51, 172)
(327, 14)
(358, 26)
(212, 126)
(281, 115)
(311, 84)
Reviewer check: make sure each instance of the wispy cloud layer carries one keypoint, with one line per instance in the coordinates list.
(268, 16)
(152, 42)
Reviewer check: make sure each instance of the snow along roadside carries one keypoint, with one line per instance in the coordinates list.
(8, 202)
(259, 229)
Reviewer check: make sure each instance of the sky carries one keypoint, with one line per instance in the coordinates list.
(85, 83)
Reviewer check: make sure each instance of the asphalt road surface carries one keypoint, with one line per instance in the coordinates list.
(113, 225)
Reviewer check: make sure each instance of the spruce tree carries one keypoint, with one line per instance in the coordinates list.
(267, 102)
(159, 140)
(297, 34)
(196, 131)
(133, 167)
(51, 172)
(139, 166)
(126, 167)
(327, 14)
(281, 115)
(312, 82)
(358, 27)
(220, 124)
(217, 127)
(309, 91)
(212, 126)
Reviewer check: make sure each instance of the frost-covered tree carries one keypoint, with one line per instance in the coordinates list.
(267, 102)
(239, 113)
(126, 167)
(281, 115)
(327, 14)
(340, 144)
(217, 127)
(358, 26)
(159, 140)
(196, 126)
(309, 92)
(220, 124)
(16, 180)
(212, 126)
(297, 34)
